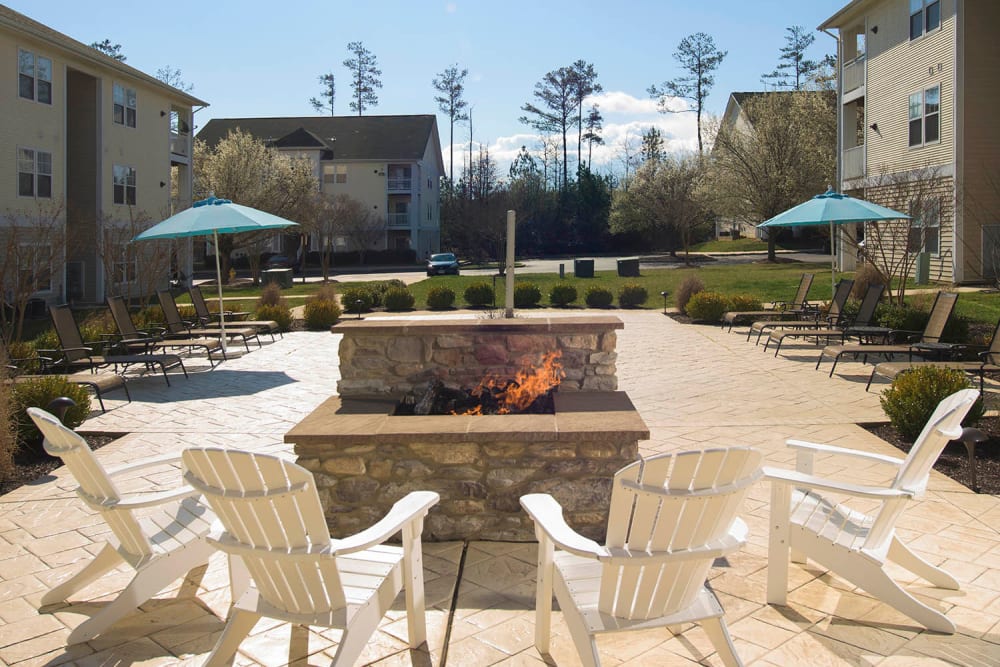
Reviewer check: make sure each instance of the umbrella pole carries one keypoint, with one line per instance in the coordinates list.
(218, 282)
(833, 265)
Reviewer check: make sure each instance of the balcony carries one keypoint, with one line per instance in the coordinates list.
(399, 183)
(398, 220)
(853, 163)
(854, 74)
(180, 144)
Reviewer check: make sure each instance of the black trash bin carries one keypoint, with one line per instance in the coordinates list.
(628, 267)
(583, 268)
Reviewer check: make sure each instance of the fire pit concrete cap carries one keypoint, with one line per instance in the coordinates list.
(555, 325)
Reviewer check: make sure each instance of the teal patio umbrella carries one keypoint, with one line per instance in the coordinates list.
(214, 216)
(833, 208)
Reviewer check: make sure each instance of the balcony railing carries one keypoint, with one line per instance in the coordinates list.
(399, 184)
(854, 162)
(180, 144)
(397, 220)
(854, 74)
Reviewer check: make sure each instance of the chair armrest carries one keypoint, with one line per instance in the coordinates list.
(548, 515)
(904, 335)
(413, 505)
(843, 451)
(141, 501)
(152, 462)
(781, 476)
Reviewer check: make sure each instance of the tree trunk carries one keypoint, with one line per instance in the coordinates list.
(772, 245)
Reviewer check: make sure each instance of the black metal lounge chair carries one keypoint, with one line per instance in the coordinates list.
(924, 343)
(832, 317)
(100, 382)
(989, 363)
(133, 339)
(75, 353)
(211, 320)
(177, 327)
(845, 329)
(792, 308)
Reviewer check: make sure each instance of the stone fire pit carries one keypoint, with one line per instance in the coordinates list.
(365, 458)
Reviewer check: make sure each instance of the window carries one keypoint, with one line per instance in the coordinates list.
(34, 264)
(34, 173)
(124, 266)
(925, 116)
(925, 226)
(925, 15)
(430, 212)
(340, 173)
(34, 77)
(125, 105)
(124, 185)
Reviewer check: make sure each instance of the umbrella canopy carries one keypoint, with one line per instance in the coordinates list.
(832, 208)
(214, 216)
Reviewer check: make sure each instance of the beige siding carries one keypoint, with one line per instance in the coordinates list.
(980, 169)
(898, 67)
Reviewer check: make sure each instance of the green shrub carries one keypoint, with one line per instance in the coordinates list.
(440, 298)
(96, 326)
(21, 354)
(910, 318)
(526, 295)
(707, 306)
(562, 294)
(8, 432)
(280, 313)
(598, 297)
(322, 310)
(397, 299)
(350, 296)
(47, 340)
(479, 294)
(690, 286)
(632, 295)
(744, 302)
(914, 395)
(38, 393)
(149, 317)
(377, 290)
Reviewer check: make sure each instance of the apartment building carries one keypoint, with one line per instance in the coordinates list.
(392, 164)
(91, 150)
(917, 87)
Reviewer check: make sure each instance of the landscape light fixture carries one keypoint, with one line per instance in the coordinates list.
(358, 304)
(664, 295)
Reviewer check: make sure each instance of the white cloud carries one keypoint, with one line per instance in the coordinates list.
(451, 8)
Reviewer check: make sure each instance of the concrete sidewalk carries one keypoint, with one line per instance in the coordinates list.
(695, 386)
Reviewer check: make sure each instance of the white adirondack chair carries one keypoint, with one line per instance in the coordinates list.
(852, 544)
(275, 534)
(671, 516)
(161, 546)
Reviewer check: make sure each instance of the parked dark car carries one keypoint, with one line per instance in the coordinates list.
(442, 264)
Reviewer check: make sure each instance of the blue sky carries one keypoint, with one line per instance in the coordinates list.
(255, 58)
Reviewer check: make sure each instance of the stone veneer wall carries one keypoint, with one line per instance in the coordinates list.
(381, 358)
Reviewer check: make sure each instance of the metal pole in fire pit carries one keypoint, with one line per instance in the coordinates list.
(509, 277)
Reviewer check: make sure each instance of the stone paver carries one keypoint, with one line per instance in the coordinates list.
(694, 386)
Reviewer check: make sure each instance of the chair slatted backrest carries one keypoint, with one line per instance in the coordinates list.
(993, 351)
(273, 519)
(866, 311)
(170, 312)
(944, 305)
(68, 333)
(122, 318)
(97, 489)
(670, 503)
(803, 291)
(840, 296)
(944, 425)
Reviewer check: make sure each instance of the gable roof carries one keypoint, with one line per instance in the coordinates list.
(19, 23)
(376, 138)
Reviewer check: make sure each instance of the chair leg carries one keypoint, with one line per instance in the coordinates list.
(107, 559)
(901, 554)
(413, 582)
(873, 579)
(718, 633)
(778, 546)
(238, 626)
(359, 630)
(586, 643)
(543, 593)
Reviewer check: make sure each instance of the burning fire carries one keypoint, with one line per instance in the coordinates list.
(528, 384)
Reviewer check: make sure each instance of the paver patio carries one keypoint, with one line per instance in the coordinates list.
(695, 386)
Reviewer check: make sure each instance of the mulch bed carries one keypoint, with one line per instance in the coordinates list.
(954, 461)
(30, 463)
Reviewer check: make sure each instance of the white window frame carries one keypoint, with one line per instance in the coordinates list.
(340, 173)
(924, 115)
(925, 220)
(127, 100)
(34, 257)
(40, 73)
(124, 266)
(922, 12)
(124, 171)
(39, 170)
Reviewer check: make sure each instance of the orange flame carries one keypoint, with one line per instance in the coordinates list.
(528, 384)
